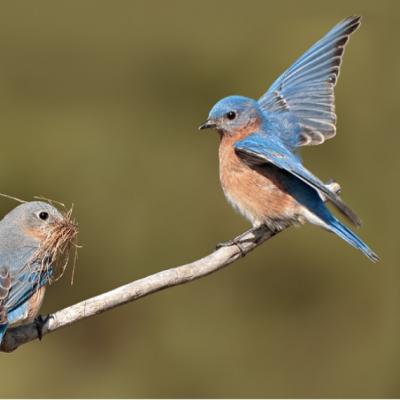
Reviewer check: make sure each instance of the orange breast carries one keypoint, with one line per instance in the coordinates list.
(35, 233)
(259, 197)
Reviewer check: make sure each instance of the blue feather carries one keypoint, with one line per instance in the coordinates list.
(261, 148)
(350, 237)
(299, 183)
(32, 283)
(305, 90)
(3, 330)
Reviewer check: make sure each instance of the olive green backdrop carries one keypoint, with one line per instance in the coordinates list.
(99, 106)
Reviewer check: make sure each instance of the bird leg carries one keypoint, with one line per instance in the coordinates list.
(249, 236)
(40, 321)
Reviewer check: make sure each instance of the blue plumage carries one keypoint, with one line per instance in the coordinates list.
(261, 172)
(26, 260)
(261, 148)
(305, 90)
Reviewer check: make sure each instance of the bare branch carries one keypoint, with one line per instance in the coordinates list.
(215, 261)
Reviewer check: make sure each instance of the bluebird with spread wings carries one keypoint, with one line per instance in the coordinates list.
(32, 235)
(261, 172)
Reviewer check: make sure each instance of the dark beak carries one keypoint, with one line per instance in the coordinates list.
(207, 125)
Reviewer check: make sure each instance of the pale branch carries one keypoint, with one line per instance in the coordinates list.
(215, 261)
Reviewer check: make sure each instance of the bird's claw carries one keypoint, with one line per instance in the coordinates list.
(238, 241)
(40, 322)
(232, 242)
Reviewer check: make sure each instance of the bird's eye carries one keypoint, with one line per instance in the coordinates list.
(231, 115)
(43, 215)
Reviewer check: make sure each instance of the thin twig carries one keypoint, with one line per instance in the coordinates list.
(215, 261)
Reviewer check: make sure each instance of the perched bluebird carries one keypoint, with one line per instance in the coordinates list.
(261, 172)
(32, 235)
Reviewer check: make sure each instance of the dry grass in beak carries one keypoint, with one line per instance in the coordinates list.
(54, 250)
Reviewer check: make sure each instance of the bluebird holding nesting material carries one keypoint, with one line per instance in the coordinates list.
(260, 171)
(32, 235)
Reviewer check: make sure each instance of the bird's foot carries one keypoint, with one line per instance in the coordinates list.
(40, 321)
(233, 242)
(238, 241)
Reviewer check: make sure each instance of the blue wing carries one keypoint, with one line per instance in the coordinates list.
(18, 284)
(305, 90)
(25, 283)
(259, 148)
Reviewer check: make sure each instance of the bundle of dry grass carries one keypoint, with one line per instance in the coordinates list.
(54, 252)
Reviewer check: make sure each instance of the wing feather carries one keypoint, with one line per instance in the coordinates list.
(25, 283)
(258, 149)
(306, 89)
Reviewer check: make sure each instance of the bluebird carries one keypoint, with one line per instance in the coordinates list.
(261, 172)
(32, 236)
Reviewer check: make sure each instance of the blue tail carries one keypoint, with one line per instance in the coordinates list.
(3, 329)
(346, 234)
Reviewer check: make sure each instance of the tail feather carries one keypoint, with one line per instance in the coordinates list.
(350, 237)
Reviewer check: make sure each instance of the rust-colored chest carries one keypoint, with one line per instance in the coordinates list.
(258, 195)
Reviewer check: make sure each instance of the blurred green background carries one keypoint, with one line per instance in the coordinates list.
(99, 106)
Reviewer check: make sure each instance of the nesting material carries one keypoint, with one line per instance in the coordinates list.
(55, 249)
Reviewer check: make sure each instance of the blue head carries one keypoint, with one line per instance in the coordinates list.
(234, 114)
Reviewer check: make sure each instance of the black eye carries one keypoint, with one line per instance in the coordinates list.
(231, 115)
(43, 215)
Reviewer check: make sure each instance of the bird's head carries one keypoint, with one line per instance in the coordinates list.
(41, 227)
(33, 218)
(233, 115)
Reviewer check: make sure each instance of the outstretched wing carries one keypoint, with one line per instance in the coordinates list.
(258, 149)
(305, 90)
